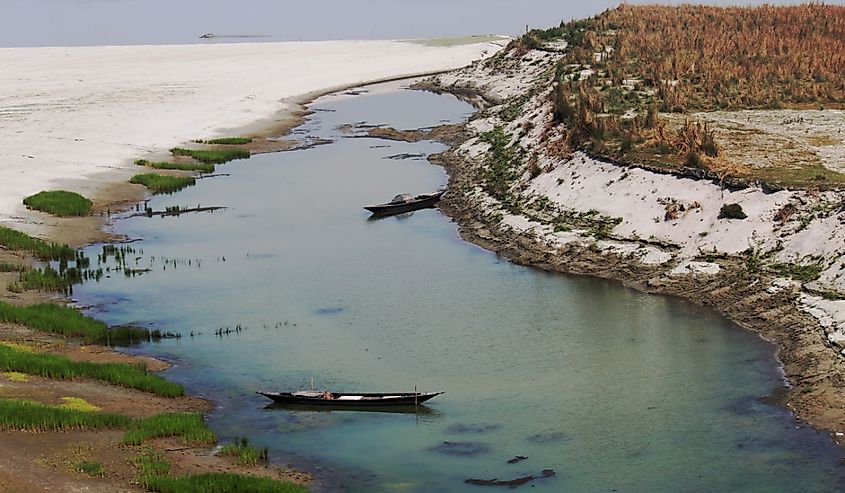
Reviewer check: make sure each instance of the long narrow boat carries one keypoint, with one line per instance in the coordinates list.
(406, 203)
(339, 399)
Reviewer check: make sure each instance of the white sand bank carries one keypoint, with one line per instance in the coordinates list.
(664, 220)
(75, 118)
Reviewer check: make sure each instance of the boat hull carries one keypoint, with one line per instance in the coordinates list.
(420, 202)
(363, 400)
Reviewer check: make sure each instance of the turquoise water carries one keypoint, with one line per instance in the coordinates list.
(612, 389)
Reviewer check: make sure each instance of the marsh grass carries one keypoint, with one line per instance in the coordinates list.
(219, 482)
(16, 414)
(46, 279)
(59, 203)
(200, 167)
(226, 141)
(211, 156)
(55, 319)
(245, 454)
(15, 240)
(151, 463)
(190, 427)
(7, 267)
(63, 368)
(163, 183)
(70, 322)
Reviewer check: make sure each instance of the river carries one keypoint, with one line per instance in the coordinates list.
(612, 389)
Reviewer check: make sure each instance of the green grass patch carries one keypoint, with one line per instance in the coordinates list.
(15, 240)
(226, 141)
(70, 322)
(152, 463)
(163, 183)
(200, 167)
(218, 482)
(63, 368)
(245, 454)
(18, 414)
(189, 426)
(59, 203)
(55, 319)
(93, 469)
(211, 156)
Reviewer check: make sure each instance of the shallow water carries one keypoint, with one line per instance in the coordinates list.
(613, 389)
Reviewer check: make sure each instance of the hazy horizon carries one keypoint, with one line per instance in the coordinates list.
(121, 22)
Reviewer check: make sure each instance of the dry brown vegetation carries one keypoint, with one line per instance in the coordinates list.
(628, 64)
(722, 57)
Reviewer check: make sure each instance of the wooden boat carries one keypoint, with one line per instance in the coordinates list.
(340, 399)
(406, 203)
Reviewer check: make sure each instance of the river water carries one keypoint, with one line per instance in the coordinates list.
(612, 389)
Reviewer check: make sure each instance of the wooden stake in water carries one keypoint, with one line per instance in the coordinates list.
(415, 395)
(312, 383)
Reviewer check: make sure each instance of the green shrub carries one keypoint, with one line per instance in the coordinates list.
(731, 211)
(163, 183)
(59, 203)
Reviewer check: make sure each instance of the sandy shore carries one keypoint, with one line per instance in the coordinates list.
(76, 118)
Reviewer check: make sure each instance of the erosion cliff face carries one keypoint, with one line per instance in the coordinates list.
(771, 257)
